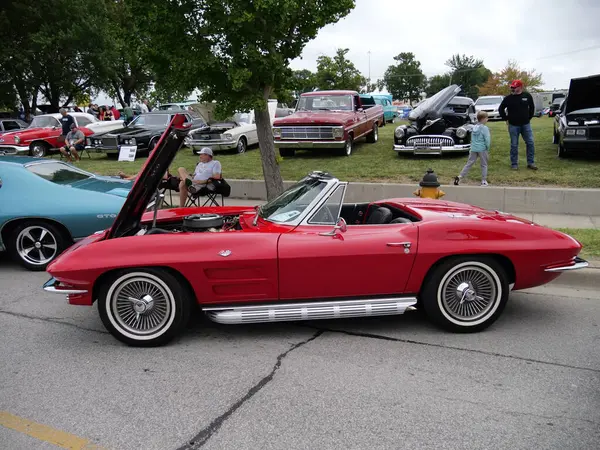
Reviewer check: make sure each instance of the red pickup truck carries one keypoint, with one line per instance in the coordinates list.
(328, 119)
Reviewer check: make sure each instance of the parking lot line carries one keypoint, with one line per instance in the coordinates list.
(45, 433)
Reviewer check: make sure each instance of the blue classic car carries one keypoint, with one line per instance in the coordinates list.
(47, 204)
(385, 100)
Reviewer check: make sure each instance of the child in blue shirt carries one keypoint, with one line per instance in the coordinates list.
(480, 148)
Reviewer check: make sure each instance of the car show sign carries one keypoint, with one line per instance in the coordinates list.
(127, 152)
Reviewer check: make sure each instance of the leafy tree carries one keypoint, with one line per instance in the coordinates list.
(380, 84)
(128, 71)
(240, 53)
(499, 82)
(338, 72)
(59, 53)
(469, 73)
(405, 80)
(436, 83)
(302, 81)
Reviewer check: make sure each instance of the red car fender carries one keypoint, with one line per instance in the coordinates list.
(528, 249)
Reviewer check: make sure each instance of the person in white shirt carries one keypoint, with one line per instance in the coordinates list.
(144, 107)
(206, 170)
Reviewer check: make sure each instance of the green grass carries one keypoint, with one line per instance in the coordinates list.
(589, 238)
(379, 163)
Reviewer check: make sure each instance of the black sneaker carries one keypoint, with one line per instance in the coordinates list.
(514, 167)
(456, 181)
(532, 166)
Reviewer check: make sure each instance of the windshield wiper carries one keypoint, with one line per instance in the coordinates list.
(258, 211)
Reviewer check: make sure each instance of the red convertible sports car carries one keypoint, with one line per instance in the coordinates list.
(304, 255)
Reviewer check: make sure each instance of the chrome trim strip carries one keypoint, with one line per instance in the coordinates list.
(53, 290)
(578, 263)
(310, 310)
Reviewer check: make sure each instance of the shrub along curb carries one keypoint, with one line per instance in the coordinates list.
(514, 199)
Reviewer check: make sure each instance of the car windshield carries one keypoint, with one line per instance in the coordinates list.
(151, 120)
(325, 103)
(242, 118)
(44, 122)
(293, 201)
(59, 173)
(489, 101)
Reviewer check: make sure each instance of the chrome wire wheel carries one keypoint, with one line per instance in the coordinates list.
(140, 306)
(469, 293)
(36, 245)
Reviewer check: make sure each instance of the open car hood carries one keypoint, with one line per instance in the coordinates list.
(435, 104)
(583, 93)
(149, 177)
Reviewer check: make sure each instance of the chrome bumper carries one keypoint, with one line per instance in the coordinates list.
(197, 144)
(432, 150)
(578, 263)
(51, 286)
(99, 149)
(310, 144)
(14, 150)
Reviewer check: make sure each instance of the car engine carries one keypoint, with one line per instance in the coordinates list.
(203, 222)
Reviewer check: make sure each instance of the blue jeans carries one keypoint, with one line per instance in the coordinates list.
(524, 130)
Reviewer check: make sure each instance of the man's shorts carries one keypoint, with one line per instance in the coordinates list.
(78, 147)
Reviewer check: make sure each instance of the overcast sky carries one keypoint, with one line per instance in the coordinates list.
(538, 34)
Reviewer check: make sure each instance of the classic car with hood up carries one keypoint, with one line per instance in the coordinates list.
(47, 204)
(235, 133)
(43, 135)
(439, 124)
(328, 119)
(577, 124)
(142, 133)
(305, 255)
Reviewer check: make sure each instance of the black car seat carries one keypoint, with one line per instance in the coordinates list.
(380, 215)
(401, 220)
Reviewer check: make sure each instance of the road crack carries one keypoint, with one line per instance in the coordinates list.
(450, 347)
(51, 320)
(205, 434)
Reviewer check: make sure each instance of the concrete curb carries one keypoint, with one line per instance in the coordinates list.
(515, 199)
(588, 278)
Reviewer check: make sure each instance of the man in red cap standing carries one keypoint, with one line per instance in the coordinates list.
(518, 109)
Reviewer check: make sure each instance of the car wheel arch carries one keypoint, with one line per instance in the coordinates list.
(9, 226)
(504, 262)
(40, 141)
(113, 272)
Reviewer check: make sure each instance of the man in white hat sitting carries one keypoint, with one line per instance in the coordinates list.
(206, 170)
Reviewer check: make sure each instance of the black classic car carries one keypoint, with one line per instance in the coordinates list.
(143, 132)
(439, 124)
(577, 122)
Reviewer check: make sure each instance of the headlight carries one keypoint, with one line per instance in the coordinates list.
(276, 132)
(461, 132)
(17, 140)
(338, 132)
(581, 132)
(228, 136)
(399, 132)
(570, 132)
(97, 141)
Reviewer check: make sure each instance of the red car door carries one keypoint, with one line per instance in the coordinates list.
(365, 260)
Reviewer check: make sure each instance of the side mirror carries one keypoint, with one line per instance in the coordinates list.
(340, 225)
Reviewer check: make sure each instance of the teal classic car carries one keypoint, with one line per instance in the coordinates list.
(47, 204)
(385, 100)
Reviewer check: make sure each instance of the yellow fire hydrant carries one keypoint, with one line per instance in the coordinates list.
(430, 186)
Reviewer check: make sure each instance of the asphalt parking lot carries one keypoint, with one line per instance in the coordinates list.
(530, 381)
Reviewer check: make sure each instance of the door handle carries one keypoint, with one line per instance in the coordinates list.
(399, 244)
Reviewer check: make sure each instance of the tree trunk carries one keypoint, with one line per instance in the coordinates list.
(273, 180)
